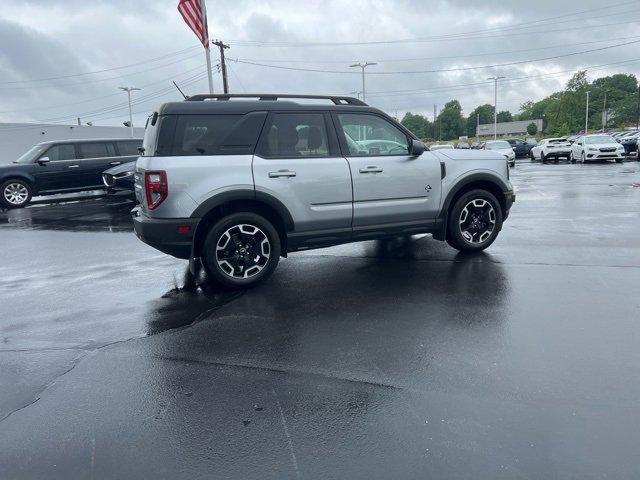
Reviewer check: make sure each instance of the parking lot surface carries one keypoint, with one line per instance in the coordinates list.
(399, 359)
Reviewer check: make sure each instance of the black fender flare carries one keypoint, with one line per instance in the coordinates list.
(441, 234)
(237, 195)
(245, 194)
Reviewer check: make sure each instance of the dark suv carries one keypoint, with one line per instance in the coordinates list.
(520, 147)
(62, 167)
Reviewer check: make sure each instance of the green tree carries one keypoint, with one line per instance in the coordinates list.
(418, 124)
(504, 116)
(532, 129)
(486, 116)
(451, 124)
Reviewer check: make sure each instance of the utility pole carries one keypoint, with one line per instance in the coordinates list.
(129, 90)
(638, 112)
(604, 113)
(477, 127)
(363, 66)
(435, 119)
(222, 46)
(495, 105)
(586, 115)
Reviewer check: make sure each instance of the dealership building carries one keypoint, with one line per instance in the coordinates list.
(507, 128)
(17, 138)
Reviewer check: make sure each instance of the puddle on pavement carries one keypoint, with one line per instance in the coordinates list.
(187, 304)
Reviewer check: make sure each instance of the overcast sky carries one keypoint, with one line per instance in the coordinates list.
(48, 39)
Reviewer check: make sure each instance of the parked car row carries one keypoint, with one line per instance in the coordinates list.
(65, 167)
(582, 149)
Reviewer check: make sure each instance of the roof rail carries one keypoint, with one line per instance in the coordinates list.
(336, 99)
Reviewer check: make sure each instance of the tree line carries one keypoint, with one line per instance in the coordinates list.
(562, 112)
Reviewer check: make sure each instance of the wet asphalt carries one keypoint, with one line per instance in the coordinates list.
(398, 359)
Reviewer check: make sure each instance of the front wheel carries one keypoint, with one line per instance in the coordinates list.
(474, 221)
(572, 158)
(241, 250)
(542, 157)
(15, 193)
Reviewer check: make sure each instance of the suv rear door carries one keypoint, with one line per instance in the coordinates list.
(298, 161)
(389, 185)
(95, 158)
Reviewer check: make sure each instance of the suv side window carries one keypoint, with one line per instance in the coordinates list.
(96, 150)
(292, 135)
(64, 151)
(128, 148)
(370, 135)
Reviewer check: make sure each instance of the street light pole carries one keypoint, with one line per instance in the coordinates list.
(363, 66)
(586, 116)
(129, 90)
(495, 105)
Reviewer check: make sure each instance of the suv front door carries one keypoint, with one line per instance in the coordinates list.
(389, 185)
(298, 161)
(60, 172)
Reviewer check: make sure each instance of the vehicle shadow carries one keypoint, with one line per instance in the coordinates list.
(95, 214)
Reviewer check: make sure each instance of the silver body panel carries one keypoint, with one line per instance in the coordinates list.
(323, 193)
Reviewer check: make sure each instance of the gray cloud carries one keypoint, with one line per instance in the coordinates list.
(73, 36)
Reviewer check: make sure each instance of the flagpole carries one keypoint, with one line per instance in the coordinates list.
(206, 48)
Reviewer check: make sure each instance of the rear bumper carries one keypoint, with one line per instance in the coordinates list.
(172, 236)
(558, 154)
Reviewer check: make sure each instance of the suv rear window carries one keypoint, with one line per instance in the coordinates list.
(209, 134)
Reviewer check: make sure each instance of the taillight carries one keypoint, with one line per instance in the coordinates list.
(156, 187)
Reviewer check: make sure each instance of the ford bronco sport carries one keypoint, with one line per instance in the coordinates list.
(236, 181)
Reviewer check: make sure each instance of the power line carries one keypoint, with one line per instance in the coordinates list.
(442, 57)
(456, 36)
(151, 60)
(83, 82)
(440, 70)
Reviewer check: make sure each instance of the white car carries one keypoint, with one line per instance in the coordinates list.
(503, 147)
(596, 147)
(444, 146)
(551, 148)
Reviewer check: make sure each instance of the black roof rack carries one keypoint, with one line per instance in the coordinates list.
(336, 99)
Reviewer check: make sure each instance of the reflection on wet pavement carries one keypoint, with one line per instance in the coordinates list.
(393, 359)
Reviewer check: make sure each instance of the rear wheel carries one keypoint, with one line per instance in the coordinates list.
(15, 193)
(474, 221)
(241, 250)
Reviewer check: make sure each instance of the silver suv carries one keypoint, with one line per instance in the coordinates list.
(237, 181)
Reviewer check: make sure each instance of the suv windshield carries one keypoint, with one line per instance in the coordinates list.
(30, 154)
(599, 139)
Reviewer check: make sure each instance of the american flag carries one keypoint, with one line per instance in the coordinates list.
(192, 13)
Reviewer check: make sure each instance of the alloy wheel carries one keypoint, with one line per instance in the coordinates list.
(477, 221)
(243, 251)
(16, 193)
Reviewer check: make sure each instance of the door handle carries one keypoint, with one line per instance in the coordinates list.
(115, 163)
(371, 169)
(282, 173)
(74, 166)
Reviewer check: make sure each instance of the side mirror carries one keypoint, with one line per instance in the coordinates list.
(514, 149)
(43, 160)
(417, 148)
(579, 143)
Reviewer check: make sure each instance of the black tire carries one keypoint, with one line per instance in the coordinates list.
(223, 266)
(15, 193)
(571, 159)
(542, 157)
(531, 156)
(455, 236)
